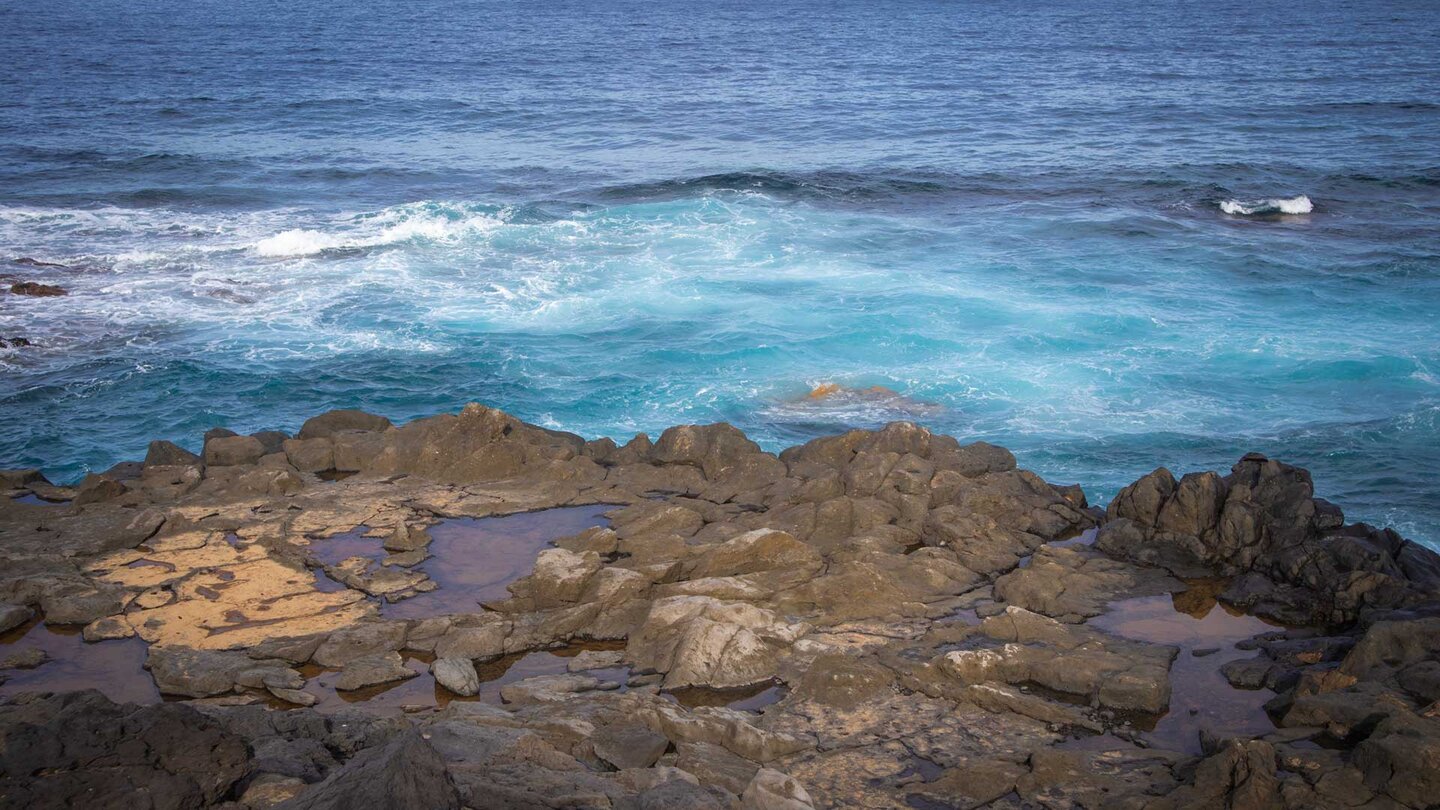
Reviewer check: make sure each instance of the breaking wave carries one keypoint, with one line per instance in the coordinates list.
(429, 222)
(1292, 205)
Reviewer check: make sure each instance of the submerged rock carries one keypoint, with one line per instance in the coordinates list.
(372, 670)
(37, 290)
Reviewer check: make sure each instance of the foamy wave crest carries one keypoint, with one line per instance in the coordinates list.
(296, 242)
(1293, 205)
(425, 221)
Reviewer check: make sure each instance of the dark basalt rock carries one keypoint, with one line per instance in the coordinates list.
(80, 750)
(407, 772)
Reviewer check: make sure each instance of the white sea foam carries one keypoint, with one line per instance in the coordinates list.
(296, 242)
(390, 227)
(1292, 205)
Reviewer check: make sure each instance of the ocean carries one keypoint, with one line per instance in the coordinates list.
(1110, 235)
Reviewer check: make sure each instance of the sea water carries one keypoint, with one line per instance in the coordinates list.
(1110, 235)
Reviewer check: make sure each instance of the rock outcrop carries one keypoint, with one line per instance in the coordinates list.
(883, 618)
(1290, 554)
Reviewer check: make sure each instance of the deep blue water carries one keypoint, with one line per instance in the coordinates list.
(611, 217)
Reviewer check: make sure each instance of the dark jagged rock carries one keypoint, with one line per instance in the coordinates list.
(80, 750)
(406, 772)
(21, 479)
(1262, 523)
(169, 454)
(479, 444)
(1401, 759)
(1241, 776)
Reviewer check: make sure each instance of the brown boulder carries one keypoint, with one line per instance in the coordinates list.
(229, 451)
(331, 422)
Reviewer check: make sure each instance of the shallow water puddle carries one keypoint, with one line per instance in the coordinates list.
(752, 698)
(422, 692)
(115, 667)
(1085, 538)
(967, 615)
(922, 769)
(472, 560)
(1200, 697)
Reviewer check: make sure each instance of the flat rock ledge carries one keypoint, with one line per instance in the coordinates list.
(909, 604)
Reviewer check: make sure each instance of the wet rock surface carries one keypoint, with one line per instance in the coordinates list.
(36, 289)
(469, 611)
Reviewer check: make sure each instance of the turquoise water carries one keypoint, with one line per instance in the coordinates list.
(1026, 219)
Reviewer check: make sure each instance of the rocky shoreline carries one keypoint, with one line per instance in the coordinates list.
(876, 619)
